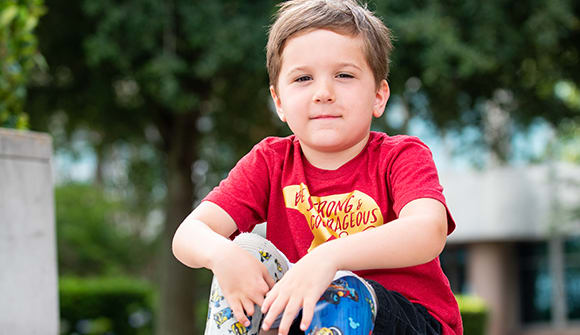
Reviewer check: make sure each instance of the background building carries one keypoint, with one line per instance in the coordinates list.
(517, 245)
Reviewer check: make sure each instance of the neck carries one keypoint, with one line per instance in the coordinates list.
(332, 160)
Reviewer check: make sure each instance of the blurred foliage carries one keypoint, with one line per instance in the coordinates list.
(567, 144)
(18, 57)
(150, 73)
(124, 74)
(569, 92)
(566, 147)
(463, 51)
(483, 71)
(128, 69)
(131, 69)
(474, 314)
(108, 305)
(142, 190)
(91, 237)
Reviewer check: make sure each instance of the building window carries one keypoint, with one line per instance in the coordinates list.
(453, 260)
(536, 283)
(572, 277)
(538, 279)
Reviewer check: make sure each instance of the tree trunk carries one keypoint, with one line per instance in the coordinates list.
(175, 313)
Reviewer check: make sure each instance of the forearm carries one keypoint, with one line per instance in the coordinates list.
(196, 245)
(400, 243)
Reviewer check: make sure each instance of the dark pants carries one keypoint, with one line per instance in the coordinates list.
(396, 315)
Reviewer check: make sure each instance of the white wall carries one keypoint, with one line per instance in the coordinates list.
(511, 203)
(28, 266)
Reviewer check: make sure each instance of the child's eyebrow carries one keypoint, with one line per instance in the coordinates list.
(297, 69)
(349, 64)
(300, 69)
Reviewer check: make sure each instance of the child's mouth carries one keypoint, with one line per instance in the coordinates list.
(325, 117)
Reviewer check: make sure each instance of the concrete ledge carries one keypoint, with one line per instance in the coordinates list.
(24, 145)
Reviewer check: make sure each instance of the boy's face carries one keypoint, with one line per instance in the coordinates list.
(326, 91)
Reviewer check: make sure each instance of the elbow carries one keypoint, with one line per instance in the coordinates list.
(186, 251)
(176, 245)
(433, 239)
(179, 246)
(439, 234)
(433, 251)
(440, 246)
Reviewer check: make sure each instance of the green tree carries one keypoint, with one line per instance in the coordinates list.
(90, 239)
(158, 73)
(566, 146)
(456, 60)
(18, 57)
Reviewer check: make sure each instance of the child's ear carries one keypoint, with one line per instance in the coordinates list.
(381, 98)
(277, 103)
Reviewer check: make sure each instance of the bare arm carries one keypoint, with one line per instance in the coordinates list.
(416, 237)
(201, 241)
(202, 235)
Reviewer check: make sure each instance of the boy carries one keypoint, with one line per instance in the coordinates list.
(336, 196)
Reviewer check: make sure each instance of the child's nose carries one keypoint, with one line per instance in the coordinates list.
(324, 93)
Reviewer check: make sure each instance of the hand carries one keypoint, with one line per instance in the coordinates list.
(301, 287)
(244, 280)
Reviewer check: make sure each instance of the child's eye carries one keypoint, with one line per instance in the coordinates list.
(303, 78)
(344, 75)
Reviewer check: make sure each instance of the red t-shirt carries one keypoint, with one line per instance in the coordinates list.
(306, 206)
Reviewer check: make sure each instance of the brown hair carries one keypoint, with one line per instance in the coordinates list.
(342, 16)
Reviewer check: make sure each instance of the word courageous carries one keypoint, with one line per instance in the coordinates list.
(334, 215)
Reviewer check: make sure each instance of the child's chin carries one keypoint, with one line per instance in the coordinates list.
(328, 142)
(328, 136)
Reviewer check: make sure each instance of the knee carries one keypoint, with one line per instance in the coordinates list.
(346, 307)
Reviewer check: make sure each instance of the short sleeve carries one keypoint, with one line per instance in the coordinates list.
(244, 192)
(412, 175)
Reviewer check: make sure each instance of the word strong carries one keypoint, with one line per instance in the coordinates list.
(333, 216)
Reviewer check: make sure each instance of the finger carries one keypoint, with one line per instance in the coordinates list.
(259, 295)
(270, 297)
(239, 314)
(289, 315)
(276, 307)
(248, 306)
(307, 313)
(258, 299)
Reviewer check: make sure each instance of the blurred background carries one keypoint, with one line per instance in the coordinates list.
(149, 103)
